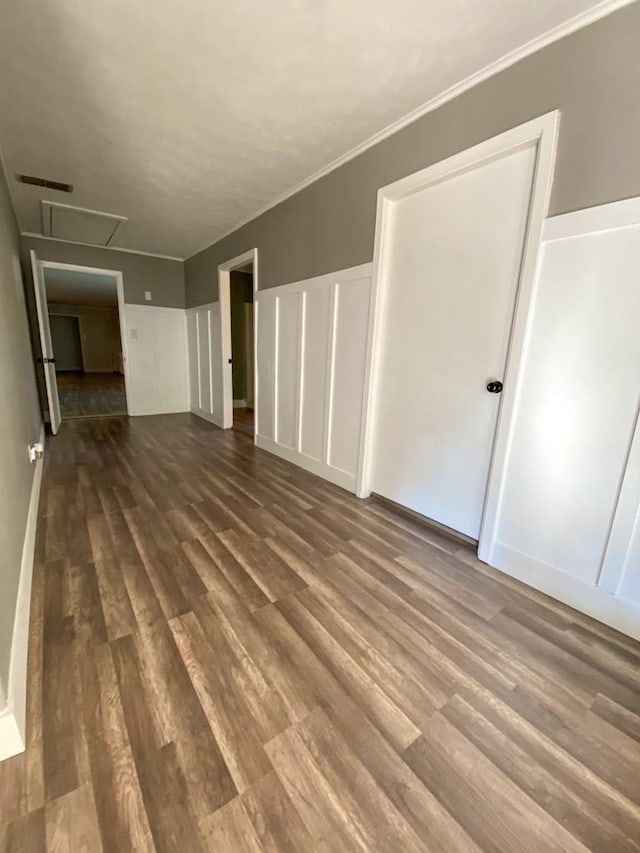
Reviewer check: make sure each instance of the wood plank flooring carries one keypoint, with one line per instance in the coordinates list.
(228, 654)
(243, 420)
(86, 395)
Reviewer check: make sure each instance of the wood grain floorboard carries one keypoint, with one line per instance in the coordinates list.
(86, 395)
(227, 653)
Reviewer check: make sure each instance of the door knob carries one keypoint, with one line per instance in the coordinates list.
(494, 386)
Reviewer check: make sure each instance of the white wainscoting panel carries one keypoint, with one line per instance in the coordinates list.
(621, 565)
(570, 506)
(315, 382)
(312, 339)
(157, 366)
(288, 309)
(205, 361)
(266, 368)
(351, 325)
(192, 355)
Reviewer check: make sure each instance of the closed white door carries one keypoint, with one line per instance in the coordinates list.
(45, 343)
(451, 268)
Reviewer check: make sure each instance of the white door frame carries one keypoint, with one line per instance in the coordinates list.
(542, 131)
(224, 295)
(119, 277)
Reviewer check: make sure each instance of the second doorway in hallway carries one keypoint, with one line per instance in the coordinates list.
(82, 307)
(241, 303)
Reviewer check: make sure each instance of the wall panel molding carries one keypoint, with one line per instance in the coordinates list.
(312, 338)
(570, 518)
(155, 345)
(619, 613)
(205, 362)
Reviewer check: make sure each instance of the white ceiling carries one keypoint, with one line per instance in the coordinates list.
(80, 288)
(188, 117)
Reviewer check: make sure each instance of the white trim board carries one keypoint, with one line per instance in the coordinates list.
(145, 306)
(311, 342)
(596, 602)
(592, 220)
(206, 416)
(578, 22)
(325, 280)
(205, 307)
(12, 720)
(334, 475)
(97, 246)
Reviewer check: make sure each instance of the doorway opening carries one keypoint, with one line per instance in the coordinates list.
(237, 287)
(80, 319)
(242, 366)
(87, 347)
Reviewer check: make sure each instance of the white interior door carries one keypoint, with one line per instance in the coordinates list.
(452, 261)
(45, 343)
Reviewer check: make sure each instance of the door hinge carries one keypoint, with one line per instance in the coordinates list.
(46, 361)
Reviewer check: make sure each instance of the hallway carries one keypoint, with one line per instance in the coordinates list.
(235, 655)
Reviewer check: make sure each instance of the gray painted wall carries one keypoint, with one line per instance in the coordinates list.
(99, 333)
(65, 341)
(591, 76)
(19, 425)
(165, 279)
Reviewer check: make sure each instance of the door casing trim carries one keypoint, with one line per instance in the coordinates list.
(542, 132)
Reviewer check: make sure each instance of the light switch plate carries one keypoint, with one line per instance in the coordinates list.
(147, 295)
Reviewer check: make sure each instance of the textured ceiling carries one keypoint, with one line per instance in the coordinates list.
(72, 287)
(188, 117)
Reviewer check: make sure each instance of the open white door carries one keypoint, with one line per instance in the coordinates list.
(45, 343)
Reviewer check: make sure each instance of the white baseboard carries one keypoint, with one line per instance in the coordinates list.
(618, 613)
(12, 721)
(215, 419)
(334, 475)
(239, 404)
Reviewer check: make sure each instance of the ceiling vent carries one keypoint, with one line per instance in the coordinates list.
(43, 182)
(79, 225)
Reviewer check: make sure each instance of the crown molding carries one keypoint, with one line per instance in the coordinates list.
(578, 22)
(107, 248)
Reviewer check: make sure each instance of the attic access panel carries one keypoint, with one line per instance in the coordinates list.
(79, 225)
